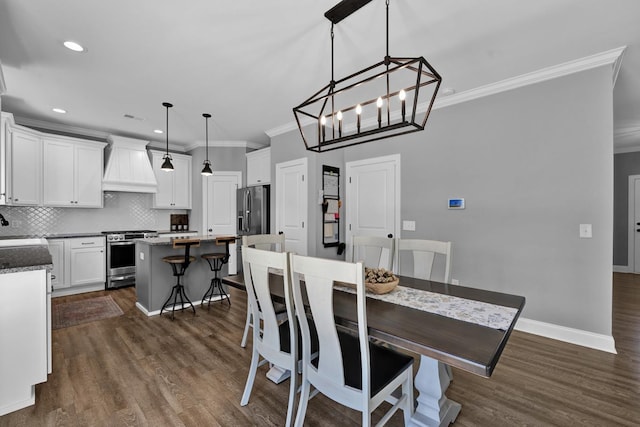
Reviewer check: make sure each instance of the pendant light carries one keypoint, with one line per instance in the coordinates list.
(166, 165)
(390, 98)
(206, 170)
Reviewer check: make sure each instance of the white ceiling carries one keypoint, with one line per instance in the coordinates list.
(249, 62)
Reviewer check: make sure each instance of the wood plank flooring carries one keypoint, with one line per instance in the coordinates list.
(138, 371)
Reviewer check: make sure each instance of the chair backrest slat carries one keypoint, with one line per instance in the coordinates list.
(424, 252)
(375, 252)
(267, 242)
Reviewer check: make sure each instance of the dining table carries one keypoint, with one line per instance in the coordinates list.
(463, 327)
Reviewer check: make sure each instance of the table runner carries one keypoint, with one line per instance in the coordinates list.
(481, 313)
(478, 312)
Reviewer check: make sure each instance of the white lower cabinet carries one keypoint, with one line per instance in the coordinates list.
(56, 249)
(80, 264)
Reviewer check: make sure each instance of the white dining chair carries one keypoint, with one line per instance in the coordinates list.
(374, 251)
(276, 342)
(350, 369)
(424, 253)
(267, 242)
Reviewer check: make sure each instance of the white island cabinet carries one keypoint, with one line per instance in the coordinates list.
(25, 322)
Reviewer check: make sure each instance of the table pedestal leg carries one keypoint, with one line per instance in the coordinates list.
(434, 408)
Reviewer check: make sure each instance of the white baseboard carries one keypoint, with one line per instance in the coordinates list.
(622, 269)
(570, 335)
(157, 312)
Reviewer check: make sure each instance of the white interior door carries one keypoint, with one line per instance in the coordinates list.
(219, 208)
(373, 199)
(291, 204)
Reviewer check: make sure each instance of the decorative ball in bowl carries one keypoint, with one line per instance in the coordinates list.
(379, 280)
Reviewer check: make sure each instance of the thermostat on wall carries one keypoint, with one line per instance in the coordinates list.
(456, 204)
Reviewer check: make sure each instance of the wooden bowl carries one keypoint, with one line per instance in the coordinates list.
(374, 288)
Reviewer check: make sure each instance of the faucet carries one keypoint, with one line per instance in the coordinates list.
(3, 221)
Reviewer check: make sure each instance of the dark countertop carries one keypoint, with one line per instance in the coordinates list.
(52, 236)
(25, 258)
(168, 241)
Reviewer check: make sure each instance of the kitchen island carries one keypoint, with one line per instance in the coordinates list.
(154, 278)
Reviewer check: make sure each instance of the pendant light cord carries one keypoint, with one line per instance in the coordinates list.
(387, 61)
(167, 129)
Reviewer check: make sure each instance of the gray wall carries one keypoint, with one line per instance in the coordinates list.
(222, 159)
(532, 163)
(623, 165)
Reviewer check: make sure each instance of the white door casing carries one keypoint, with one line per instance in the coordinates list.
(219, 208)
(292, 204)
(372, 199)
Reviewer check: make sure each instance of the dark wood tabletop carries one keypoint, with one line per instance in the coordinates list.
(464, 345)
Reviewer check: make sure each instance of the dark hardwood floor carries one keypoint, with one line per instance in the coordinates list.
(134, 370)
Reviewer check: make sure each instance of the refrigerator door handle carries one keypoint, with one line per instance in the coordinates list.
(248, 211)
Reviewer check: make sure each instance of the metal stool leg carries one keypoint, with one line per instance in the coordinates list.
(216, 283)
(177, 291)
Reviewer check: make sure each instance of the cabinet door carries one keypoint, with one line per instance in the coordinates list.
(26, 177)
(87, 266)
(182, 183)
(259, 167)
(88, 176)
(56, 249)
(164, 197)
(58, 173)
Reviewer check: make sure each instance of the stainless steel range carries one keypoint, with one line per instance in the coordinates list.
(121, 256)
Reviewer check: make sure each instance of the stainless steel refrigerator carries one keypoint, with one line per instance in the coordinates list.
(253, 210)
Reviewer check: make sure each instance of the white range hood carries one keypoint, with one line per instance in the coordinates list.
(128, 167)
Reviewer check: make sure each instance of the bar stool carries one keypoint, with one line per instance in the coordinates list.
(216, 262)
(179, 264)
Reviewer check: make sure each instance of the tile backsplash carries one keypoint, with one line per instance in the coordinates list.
(121, 211)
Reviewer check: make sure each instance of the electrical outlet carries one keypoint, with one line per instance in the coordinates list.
(142, 256)
(586, 231)
(455, 282)
(409, 225)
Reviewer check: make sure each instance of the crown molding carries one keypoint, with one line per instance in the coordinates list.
(225, 144)
(58, 127)
(3, 85)
(611, 58)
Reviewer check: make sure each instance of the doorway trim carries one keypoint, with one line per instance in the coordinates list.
(631, 229)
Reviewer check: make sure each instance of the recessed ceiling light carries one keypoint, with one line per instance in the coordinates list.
(158, 131)
(59, 110)
(76, 47)
(447, 91)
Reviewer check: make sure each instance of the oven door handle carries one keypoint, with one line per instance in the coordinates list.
(121, 243)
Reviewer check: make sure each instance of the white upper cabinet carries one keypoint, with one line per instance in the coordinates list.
(24, 169)
(174, 188)
(72, 172)
(259, 167)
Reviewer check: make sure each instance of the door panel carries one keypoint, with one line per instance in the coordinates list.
(373, 198)
(219, 208)
(291, 204)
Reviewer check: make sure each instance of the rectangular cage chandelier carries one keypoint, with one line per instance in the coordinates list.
(390, 98)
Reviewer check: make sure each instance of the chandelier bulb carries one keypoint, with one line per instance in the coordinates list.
(402, 95)
(358, 109)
